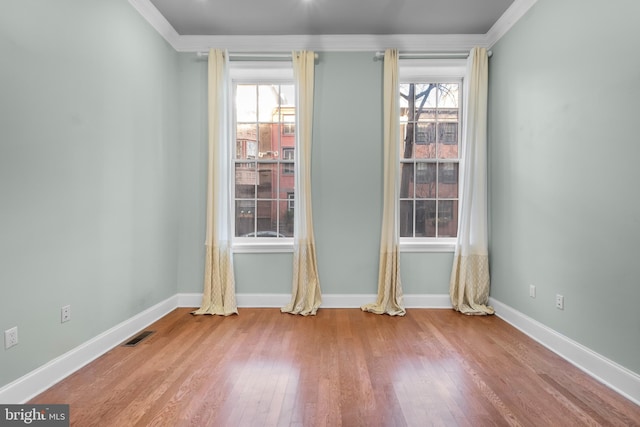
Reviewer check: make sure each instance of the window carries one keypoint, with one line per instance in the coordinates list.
(289, 124)
(287, 153)
(429, 159)
(291, 197)
(264, 164)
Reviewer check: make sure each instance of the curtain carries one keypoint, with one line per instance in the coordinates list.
(305, 296)
(219, 284)
(469, 285)
(389, 300)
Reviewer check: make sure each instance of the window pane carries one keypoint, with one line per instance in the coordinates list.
(404, 92)
(448, 95)
(448, 180)
(406, 140)
(246, 141)
(448, 140)
(245, 180)
(288, 129)
(245, 217)
(287, 179)
(269, 141)
(448, 218)
(288, 169)
(425, 180)
(246, 99)
(286, 216)
(425, 137)
(267, 219)
(425, 218)
(406, 180)
(425, 96)
(268, 103)
(267, 181)
(288, 98)
(406, 218)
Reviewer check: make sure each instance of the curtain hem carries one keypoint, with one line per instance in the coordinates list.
(219, 294)
(305, 300)
(390, 298)
(469, 287)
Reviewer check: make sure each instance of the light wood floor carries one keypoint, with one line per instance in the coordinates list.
(342, 367)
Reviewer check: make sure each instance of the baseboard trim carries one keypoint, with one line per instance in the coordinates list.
(328, 300)
(40, 379)
(618, 378)
(614, 376)
(427, 301)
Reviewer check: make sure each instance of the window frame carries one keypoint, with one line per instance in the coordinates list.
(435, 71)
(255, 72)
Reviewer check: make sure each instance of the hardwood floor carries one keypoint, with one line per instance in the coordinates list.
(342, 367)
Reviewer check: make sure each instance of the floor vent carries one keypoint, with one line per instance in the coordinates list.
(136, 340)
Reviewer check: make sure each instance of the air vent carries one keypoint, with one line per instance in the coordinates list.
(136, 340)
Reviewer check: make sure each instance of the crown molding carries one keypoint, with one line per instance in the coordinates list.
(508, 19)
(157, 21)
(333, 42)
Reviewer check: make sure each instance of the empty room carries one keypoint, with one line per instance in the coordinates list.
(319, 212)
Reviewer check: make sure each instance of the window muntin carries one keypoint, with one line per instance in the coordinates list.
(264, 178)
(429, 159)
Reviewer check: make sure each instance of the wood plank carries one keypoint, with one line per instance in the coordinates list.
(343, 367)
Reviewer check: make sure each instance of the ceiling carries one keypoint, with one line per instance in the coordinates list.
(324, 17)
(331, 25)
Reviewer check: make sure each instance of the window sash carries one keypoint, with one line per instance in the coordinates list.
(269, 225)
(432, 168)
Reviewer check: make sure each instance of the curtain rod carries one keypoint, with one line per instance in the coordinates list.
(379, 56)
(254, 56)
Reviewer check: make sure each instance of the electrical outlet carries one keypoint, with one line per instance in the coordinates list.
(532, 291)
(559, 302)
(65, 313)
(11, 337)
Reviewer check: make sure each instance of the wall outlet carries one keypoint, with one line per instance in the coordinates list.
(532, 291)
(11, 337)
(559, 302)
(65, 313)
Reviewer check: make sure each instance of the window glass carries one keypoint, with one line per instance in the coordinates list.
(264, 159)
(429, 159)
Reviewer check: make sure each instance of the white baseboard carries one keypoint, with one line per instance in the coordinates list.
(242, 300)
(40, 379)
(616, 377)
(328, 300)
(427, 301)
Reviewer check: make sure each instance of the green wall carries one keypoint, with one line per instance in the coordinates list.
(346, 188)
(88, 173)
(565, 215)
(103, 177)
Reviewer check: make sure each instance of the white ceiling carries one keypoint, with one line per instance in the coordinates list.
(331, 25)
(280, 17)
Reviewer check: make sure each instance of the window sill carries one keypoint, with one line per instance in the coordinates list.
(420, 245)
(286, 245)
(262, 245)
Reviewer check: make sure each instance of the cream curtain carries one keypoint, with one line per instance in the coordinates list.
(306, 296)
(389, 300)
(219, 285)
(469, 285)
